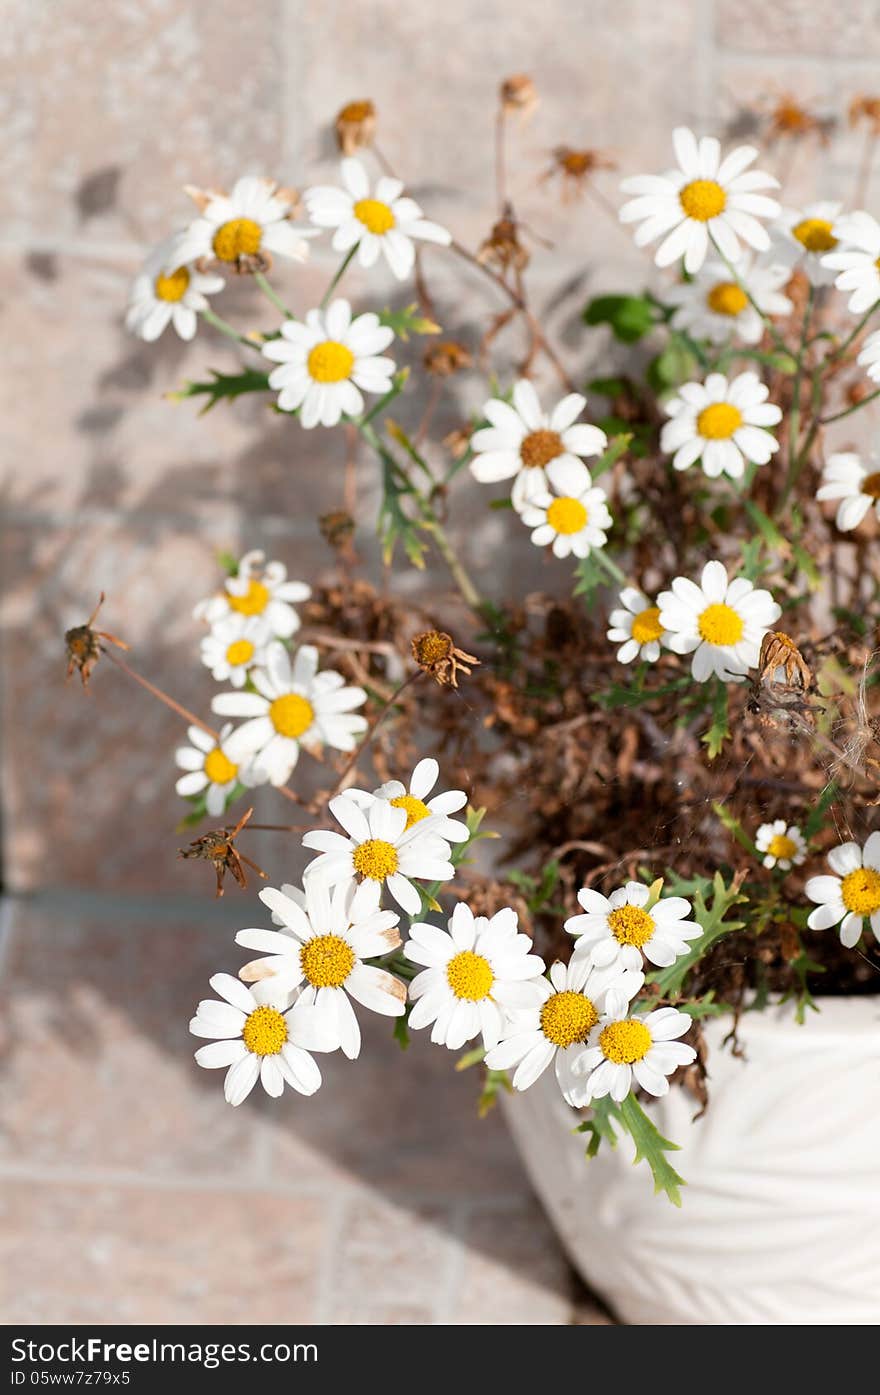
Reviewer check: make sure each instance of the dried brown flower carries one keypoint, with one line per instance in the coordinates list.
(502, 249)
(574, 168)
(435, 652)
(458, 441)
(355, 126)
(446, 358)
(865, 109)
(83, 645)
(789, 119)
(518, 94)
(218, 847)
(778, 651)
(337, 527)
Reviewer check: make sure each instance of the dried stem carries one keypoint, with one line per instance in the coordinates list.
(163, 697)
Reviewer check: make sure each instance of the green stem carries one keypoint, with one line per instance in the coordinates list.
(272, 295)
(842, 348)
(226, 328)
(795, 458)
(848, 411)
(599, 555)
(338, 274)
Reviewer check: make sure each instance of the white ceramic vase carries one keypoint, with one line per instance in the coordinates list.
(780, 1221)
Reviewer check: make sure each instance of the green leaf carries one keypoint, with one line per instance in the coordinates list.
(394, 523)
(608, 387)
(651, 1147)
(397, 384)
(408, 321)
(223, 386)
(707, 1006)
(766, 527)
(496, 1081)
(719, 727)
(588, 576)
(228, 562)
(735, 828)
(674, 365)
(712, 920)
(401, 1029)
(599, 1126)
(471, 1058)
(629, 316)
(816, 816)
(612, 453)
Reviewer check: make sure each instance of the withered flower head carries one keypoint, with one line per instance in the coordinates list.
(779, 651)
(865, 109)
(84, 647)
(435, 652)
(575, 167)
(337, 527)
(458, 441)
(502, 249)
(790, 119)
(519, 94)
(355, 126)
(218, 847)
(446, 358)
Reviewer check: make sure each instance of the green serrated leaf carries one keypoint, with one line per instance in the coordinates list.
(712, 920)
(735, 828)
(223, 386)
(651, 1147)
(719, 726)
(408, 321)
(599, 1127)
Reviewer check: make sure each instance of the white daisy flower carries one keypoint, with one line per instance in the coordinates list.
(803, 236)
(233, 648)
(851, 894)
(327, 362)
(475, 975)
(721, 423)
(626, 1048)
(210, 768)
(846, 478)
(573, 518)
(321, 949)
(161, 296)
(244, 228)
(869, 358)
(636, 627)
(417, 804)
(706, 197)
(261, 590)
(717, 308)
(782, 844)
(560, 1026)
(857, 260)
(294, 706)
(259, 1037)
(618, 929)
(381, 221)
(721, 622)
(521, 440)
(378, 851)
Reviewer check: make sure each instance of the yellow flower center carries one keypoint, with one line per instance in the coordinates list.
(630, 925)
(239, 238)
(539, 448)
(625, 1042)
(173, 287)
(254, 600)
(416, 810)
(376, 217)
(432, 646)
(646, 625)
(727, 298)
(815, 234)
(219, 768)
(375, 859)
(241, 651)
(330, 362)
(781, 846)
(720, 624)
(291, 715)
(327, 961)
(870, 485)
(702, 199)
(568, 1017)
(470, 976)
(265, 1031)
(861, 891)
(567, 516)
(718, 421)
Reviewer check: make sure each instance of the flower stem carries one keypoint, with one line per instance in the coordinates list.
(358, 752)
(848, 411)
(163, 697)
(598, 553)
(338, 274)
(226, 328)
(462, 580)
(272, 295)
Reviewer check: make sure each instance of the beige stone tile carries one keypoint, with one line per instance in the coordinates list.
(515, 1272)
(790, 27)
(116, 1254)
(113, 108)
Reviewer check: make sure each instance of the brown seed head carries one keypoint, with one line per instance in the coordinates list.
(446, 358)
(519, 94)
(436, 653)
(355, 126)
